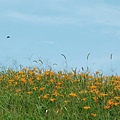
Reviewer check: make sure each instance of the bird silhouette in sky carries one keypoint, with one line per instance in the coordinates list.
(8, 36)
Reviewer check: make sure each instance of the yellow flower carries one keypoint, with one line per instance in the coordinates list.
(93, 87)
(38, 78)
(49, 73)
(29, 93)
(30, 72)
(96, 79)
(51, 80)
(103, 94)
(55, 93)
(46, 96)
(57, 87)
(59, 83)
(52, 99)
(84, 99)
(30, 81)
(106, 107)
(93, 114)
(16, 77)
(35, 88)
(94, 91)
(95, 99)
(116, 97)
(72, 94)
(110, 102)
(117, 87)
(86, 107)
(116, 103)
(90, 76)
(98, 83)
(10, 81)
(42, 88)
(23, 80)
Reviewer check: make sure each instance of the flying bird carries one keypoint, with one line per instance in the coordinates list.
(8, 36)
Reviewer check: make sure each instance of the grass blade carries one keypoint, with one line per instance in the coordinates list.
(64, 56)
(88, 56)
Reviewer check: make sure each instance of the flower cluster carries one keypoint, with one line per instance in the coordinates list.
(64, 89)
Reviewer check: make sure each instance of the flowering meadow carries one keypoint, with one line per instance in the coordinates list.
(38, 94)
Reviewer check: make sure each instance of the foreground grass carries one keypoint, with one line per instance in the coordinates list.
(34, 94)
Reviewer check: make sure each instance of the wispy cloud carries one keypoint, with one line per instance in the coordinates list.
(79, 14)
(40, 19)
(104, 15)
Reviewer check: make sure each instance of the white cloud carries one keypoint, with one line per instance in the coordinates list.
(104, 15)
(79, 14)
(41, 19)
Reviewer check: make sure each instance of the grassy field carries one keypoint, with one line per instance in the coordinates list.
(37, 94)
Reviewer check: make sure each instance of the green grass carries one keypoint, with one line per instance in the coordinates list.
(37, 94)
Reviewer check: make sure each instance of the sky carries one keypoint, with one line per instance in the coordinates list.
(42, 30)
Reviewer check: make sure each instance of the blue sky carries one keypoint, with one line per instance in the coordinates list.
(45, 29)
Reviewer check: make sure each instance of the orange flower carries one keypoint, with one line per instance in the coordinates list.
(10, 81)
(93, 114)
(116, 103)
(51, 80)
(29, 93)
(90, 76)
(103, 94)
(93, 87)
(57, 87)
(46, 96)
(95, 99)
(35, 88)
(38, 78)
(42, 88)
(116, 97)
(84, 99)
(117, 87)
(55, 93)
(52, 99)
(59, 83)
(16, 77)
(30, 81)
(106, 107)
(23, 80)
(86, 107)
(110, 102)
(72, 94)
(30, 72)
